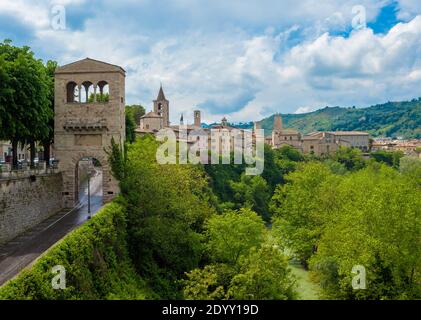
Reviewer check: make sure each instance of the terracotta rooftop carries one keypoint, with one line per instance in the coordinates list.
(151, 115)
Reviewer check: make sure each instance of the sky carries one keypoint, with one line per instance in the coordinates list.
(243, 59)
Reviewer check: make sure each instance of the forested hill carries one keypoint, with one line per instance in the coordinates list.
(392, 119)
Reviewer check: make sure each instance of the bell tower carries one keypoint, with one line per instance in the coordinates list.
(277, 122)
(161, 106)
(197, 119)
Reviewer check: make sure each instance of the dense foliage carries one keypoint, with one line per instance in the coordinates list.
(25, 98)
(96, 260)
(133, 115)
(370, 217)
(212, 232)
(176, 234)
(245, 263)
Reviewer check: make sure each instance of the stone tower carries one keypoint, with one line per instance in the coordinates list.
(89, 111)
(257, 125)
(161, 106)
(197, 118)
(277, 122)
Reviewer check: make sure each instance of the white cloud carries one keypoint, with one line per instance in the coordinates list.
(243, 59)
(304, 110)
(408, 9)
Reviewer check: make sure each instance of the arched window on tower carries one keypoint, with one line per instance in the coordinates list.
(72, 92)
(103, 92)
(87, 94)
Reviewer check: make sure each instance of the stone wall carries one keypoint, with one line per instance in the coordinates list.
(25, 202)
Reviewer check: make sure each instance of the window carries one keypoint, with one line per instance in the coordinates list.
(103, 92)
(88, 92)
(72, 92)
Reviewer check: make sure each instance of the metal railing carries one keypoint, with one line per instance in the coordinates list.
(24, 170)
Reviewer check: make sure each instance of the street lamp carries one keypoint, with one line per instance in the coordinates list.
(89, 195)
(90, 172)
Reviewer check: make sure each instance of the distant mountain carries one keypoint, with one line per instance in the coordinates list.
(392, 119)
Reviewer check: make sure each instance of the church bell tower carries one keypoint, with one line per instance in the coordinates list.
(161, 107)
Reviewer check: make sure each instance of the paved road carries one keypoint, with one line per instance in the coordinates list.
(23, 250)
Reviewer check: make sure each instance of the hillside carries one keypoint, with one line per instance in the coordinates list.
(392, 119)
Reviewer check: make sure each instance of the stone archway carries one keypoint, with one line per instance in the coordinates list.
(86, 129)
(71, 179)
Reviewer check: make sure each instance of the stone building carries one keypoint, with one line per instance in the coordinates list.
(322, 143)
(281, 136)
(150, 123)
(161, 106)
(318, 143)
(157, 119)
(197, 119)
(356, 139)
(6, 152)
(89, 112)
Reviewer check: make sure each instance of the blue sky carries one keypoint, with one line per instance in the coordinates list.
(241, 59)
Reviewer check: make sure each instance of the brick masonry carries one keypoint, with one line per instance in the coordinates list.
(25, 203)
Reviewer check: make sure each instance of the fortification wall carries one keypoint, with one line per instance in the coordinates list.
(27, 201)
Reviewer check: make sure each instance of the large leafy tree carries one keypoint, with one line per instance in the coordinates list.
(375, 221)
(25, 100)
(351, 158)
(5, 96)
(133, 115)
(298, 210)
(48, 137)
(264, 275)
(232, 234)
(252, 192)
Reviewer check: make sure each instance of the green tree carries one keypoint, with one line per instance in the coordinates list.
(298, 211)
(133, 115)
(390, 158)
(210, 283)
(130, 128)
(264, 275)
(374, 221)
(167, 206)
(271, 172)
(252, 192)
(411, 168)
(136, 111)
(104, 97)
(351, 158)
(25, 100)
(48, 138)
(232, 234)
